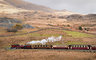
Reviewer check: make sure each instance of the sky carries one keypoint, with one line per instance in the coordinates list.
(80, 6)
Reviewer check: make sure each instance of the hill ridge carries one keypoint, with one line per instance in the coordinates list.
(28, 6)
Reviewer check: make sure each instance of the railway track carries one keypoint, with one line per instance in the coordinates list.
(90, 51)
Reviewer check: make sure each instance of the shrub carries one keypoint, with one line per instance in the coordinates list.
(18, 26)
(12, 30)
(68, 25)
(80, 28)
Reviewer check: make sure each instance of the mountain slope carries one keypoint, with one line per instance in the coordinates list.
(29, 6)
(7, 8)
(81, 17)
(18, 5)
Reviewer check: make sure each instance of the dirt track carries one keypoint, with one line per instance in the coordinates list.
(30, 32)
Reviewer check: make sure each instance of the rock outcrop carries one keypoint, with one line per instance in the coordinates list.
(9, 22)
(81, 17)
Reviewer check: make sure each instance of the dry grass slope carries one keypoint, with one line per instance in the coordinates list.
(45, 55)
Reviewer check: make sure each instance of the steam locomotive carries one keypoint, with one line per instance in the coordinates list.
(73, 47)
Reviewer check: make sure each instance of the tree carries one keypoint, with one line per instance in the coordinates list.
(18, 26)
(80, 28)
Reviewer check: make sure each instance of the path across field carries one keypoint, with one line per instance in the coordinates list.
(31, 32)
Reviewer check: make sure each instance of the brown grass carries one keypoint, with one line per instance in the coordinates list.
(45, 55)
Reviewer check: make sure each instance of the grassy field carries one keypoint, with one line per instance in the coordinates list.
(53, 32)
(78, 34)
(68, 37)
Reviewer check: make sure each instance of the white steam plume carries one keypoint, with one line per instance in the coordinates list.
(44, 41)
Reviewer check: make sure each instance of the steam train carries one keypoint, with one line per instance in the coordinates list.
(73, 47)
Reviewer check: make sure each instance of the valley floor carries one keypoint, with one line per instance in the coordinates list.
(69, 37)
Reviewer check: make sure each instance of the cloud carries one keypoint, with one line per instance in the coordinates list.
(81, 6)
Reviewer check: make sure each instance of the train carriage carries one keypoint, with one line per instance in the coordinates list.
(60, 47)
(93, 47)
(27, 47)
(79, 47)
(41, 46)
(20, 47)
(17, 46)
(14, 46)
(73, 47)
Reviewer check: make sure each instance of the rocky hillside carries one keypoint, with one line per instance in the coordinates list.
(5, 7)
(9, 22)
(25, 10)
(81, 17)
(17, 6)
(28, 6)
